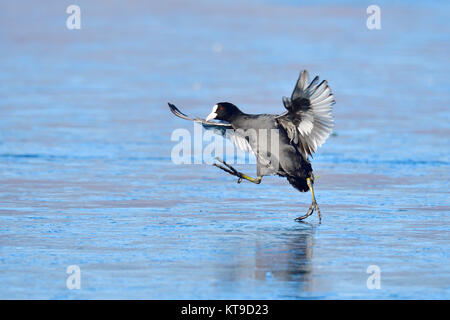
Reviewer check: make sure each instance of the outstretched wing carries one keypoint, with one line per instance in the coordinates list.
(221, 128)
(308, 120)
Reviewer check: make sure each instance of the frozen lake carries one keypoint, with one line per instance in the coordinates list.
(86, 176)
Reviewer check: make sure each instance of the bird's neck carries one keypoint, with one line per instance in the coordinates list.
(235, 115)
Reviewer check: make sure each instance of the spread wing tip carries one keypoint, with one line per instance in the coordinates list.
(308, 120)
(177, 112)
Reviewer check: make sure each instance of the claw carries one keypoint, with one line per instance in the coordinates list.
(313, 206)
(318, 213)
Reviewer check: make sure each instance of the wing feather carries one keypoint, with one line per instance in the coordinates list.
(309, 120)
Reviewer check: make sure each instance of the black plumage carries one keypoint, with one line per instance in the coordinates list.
(304, 126)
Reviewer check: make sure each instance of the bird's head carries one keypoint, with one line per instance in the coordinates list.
(223, 111)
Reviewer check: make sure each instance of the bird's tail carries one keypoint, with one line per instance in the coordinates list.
(298, 183)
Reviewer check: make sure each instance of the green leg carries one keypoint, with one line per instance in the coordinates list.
(313, 204)
(236, 173)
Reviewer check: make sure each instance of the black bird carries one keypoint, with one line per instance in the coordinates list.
(297, 133)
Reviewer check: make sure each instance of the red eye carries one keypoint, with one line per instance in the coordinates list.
(220, 108)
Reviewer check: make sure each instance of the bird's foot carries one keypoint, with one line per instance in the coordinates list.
(227, 168)
(313, 206)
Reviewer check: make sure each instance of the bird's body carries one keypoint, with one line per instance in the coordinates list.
(290, 162)
(281, 143)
